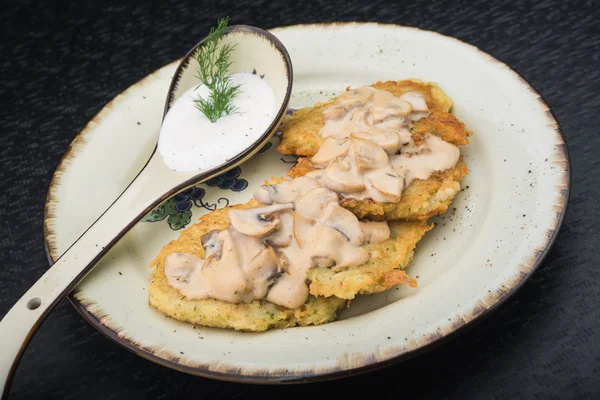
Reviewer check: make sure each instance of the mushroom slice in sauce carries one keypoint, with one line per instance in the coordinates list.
(303, 229)
(434, 155)
(222, 278)
(211, 244)
(283, 263)
(265, 194)
(388, 182)
(335, 112)
(346, 223)
(341, 178)
(347, 101)
(375, 232)
(282, 236)
(419, 105)
(257, 221)
(245, 246)
(261, 271)
(397, 109)
(285, 192)
(331, 149)
(314, 203)
(416, 99)
(368, 155)
(359, 95)
(330, 248)
(389, 140)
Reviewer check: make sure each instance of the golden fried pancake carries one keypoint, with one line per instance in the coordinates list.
(422, 198)
(328, 288)
(254, 316)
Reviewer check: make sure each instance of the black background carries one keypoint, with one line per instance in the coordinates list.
(60, 64)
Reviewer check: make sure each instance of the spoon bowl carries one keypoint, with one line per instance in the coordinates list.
(256, 51)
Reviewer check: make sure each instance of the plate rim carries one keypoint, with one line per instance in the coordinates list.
(314, 374)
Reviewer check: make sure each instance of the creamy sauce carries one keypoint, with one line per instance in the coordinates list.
(368, 151)
(267, 251)
(188, 141)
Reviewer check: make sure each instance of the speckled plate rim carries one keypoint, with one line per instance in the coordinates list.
(367, 363)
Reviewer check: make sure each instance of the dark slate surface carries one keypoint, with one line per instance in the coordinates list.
(61, 64)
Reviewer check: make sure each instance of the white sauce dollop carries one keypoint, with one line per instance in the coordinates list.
(190, 142)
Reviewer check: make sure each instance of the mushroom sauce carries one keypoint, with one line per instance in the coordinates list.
(369, 152)
(267, 251)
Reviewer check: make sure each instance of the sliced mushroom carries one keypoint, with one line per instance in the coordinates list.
(348, 101)
(419, 105)
(247, 247)
(338, 111)
(265, 193)
(314, 203)
(375, 232)
(433, 155)
(331, 149)
(261, 272)
(317, 175)
(346, 223)
(400, 169)
(405, 137)
(388, 182)
(334, 112)
(282, 236)
(389, 140)
(303, 229)
(359, 121)
(211, 244)
(341, 178)
(416, 99)
(283, 262)
(223, 277)
(368, 155)
(331, 248)
(417, 115)
(297, 188)
(360, 95)
(257, 221)
(395, 108)
(411, 149)
(285, 192)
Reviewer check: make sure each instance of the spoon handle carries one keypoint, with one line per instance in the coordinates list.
(23, 319)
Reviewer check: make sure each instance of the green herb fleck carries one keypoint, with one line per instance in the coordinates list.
(272, 316)
(213, 64)
(194, 308)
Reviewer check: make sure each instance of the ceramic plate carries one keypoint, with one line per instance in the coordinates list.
(498, 230)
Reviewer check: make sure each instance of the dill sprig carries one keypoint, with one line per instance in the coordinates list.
(213, 64)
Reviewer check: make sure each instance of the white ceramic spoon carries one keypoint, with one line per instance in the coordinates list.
(255, 50)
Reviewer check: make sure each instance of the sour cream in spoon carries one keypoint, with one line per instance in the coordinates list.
(189, 141)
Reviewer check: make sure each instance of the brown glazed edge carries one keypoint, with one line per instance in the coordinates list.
(350, 365)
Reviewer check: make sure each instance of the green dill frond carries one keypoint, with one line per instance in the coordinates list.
(213, 66)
